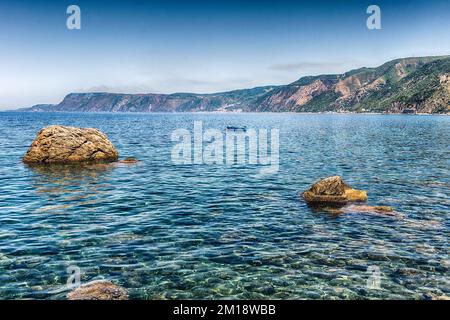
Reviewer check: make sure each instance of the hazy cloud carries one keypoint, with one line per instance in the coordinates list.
(172, 84)
(302, 66)
(117, 89)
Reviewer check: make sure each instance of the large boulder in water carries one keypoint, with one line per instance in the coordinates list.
(98, 290)
(333, 190)
(59, 144)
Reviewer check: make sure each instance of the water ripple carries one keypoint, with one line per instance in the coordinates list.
(218, 232)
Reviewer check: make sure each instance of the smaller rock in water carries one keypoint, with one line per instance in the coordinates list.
(98, 290)
(60, 144)
(129, 160)
(333, 190)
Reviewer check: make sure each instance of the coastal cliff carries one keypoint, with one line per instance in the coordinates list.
(407, 85)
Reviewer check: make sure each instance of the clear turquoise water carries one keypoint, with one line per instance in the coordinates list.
(213, 231)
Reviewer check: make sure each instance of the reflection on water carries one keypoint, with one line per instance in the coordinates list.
(165, 231)
(69, 184)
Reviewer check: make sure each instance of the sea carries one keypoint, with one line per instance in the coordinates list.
(195, 230)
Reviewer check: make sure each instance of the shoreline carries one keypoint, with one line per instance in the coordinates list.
(236, 112)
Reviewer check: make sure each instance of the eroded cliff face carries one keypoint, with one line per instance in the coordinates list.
(412, 84)
(293, 97)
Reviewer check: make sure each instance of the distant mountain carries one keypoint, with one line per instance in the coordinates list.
(402, 85)
(413, 84)
(237, 100)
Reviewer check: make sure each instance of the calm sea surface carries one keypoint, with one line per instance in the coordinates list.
(167, 231)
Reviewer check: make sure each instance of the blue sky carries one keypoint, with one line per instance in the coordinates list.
(201, 46)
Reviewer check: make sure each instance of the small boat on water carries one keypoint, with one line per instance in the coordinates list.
(237, 128)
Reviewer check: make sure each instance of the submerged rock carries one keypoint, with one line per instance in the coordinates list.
(60, 144)
(129, 160)
(379, 210)
(98, 290)
(333, 190)
(360, 208)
